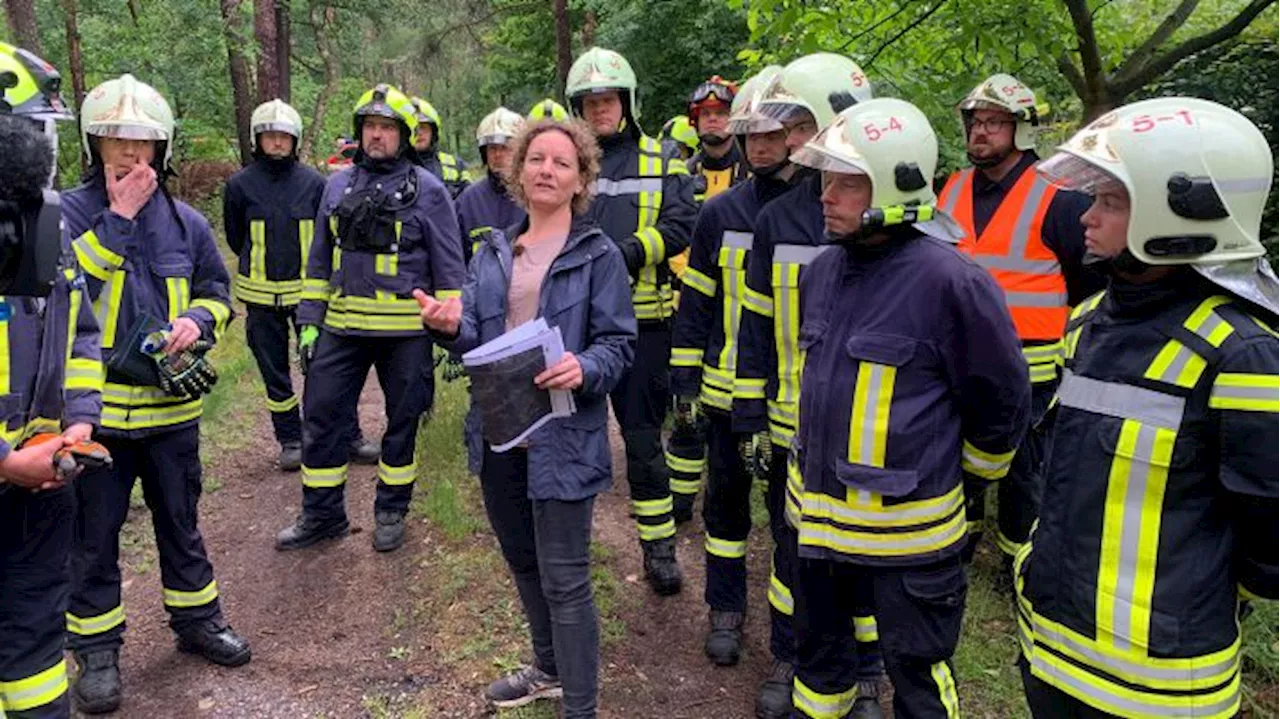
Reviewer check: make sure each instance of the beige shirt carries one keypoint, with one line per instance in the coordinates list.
(529, 268)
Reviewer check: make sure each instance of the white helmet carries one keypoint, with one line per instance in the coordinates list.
(498, 127)
(822, 83)
(888, 140)
(127, 109)
(1007, 93)
(745, 117)
(275, 116)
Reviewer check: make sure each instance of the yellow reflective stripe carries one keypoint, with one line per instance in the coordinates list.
(786, 329)
(1131, 535)
(686, 357)
(447, 294)
(94, 257)
(655, 250)
(1265, 327)
(1246, 392)
(315, 290)
(1006, 545)
(4, 355)
(726, 548)
(988, 465)
(685, 486)
(335, 259)
(274, 286)
(677, 167)
(651, 507)
(756, 302)
(106, 309)
(780, 595)
(177, 291)
(397, 476)
(698, 281)
(865, 629)
(1089, 304)
(258, 249)
(1176, 364)
(1043, 373)
(682, 464)
(198, 598)
(1245, 594)
(150, 417)
(1040, 354)
(816, 705)
(373, 305)
(869, 420)
(34, 691)
(283, 405)
(748, 387)
(88, 626)
(1206, 323)
(863, 524)
(654, 532)
(306, 235)
(941, 673)
(81, 374)
(220, 311)
(316, 477)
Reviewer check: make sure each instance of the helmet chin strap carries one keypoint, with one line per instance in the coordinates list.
(984, 162)
(715, 140)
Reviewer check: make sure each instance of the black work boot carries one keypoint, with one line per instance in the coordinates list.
(214, 640)
(97, 686)
(660, 568)
(306, 531)
(290, 459)
(682, 507)
(867, 705)
(364, 452)
(724, 641)
(775, 693)
(388, 533)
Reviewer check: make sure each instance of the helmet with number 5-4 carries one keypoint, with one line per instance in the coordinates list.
(128, 109)
(888, 140)
(1008, 94)
(275, 116)
(599, 70)
(822, 83)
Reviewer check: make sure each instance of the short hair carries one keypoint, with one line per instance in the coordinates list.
(584, 142)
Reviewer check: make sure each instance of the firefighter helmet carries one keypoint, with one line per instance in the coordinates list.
(599, 70)
(1007, 93)
(822, 83)
(30, 86)
(548, 109)
(128, 109)
(744, 115)
(275, 116)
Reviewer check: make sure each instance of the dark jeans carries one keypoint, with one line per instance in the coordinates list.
(547, 546)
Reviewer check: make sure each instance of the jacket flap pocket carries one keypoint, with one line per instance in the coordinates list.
(172, 267)
(889, 482)
(881, 349)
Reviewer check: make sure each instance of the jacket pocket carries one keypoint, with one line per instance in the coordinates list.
(175, 276)
(567, 294)
(873, 373)
(889, 482)
(934, 609)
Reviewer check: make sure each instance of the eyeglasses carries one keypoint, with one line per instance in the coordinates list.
(991, 124)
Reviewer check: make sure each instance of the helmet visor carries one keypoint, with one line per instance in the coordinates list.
(1071, 172)
(709, 90)
(753, 123)
(824, 160)
(286, 127)
(783, 111)
(495, 139)
(126, 131)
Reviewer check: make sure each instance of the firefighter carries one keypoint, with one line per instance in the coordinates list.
(385, 228)
(548, 109)
(678, 138)
(644, 202)
(160, 293)
(450, 170)
(802, 99)
(715, 167)
(703, 360)
(1028, 235)
(913, 377)
(52, 381)
(1159, 516)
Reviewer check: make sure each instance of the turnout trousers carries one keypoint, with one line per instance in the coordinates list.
(640, 405)
(169, 466)
(918, 610)
(686, 457)
(726, 512)
(334, 382)
(37, 530)
(268, 330)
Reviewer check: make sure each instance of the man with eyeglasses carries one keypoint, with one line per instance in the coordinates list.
(1028, 235)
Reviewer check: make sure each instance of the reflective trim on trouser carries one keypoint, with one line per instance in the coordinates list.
(169, 468)
(726, 512)
(332, 391)
(397, 476)
(864, 629)
(640, 402)
(819, 705)
(38, 690)
(686, 459)
(782, 640)
(267, 331)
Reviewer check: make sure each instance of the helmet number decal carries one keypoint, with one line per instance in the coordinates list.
(1146, 123)
(858, 79)
(874, 132)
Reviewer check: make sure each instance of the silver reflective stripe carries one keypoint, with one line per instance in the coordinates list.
(934, 537)
(797, 254)
(1261, 394)
(1035, 299)
(1179, 363)
(630, 186)
(738, 240)
(957, 188)
(1131, 533)
(856, 519)
(1017, 263)
(734, 281)
(867, 422)
(1121, 400)
(1124, 703)
(1098, 659)
(1026, 215)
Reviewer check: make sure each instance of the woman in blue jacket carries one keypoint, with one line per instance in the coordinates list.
(557, 265)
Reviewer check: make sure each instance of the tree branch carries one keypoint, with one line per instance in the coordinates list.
(867, 30)
(1093, 79)
(898, 35)
(1123, 86)
(1159, 36)
(1072, 74)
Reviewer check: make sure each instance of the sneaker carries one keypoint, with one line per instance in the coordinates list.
(306, 531)
(724, 641)
(97, 685)
(526, 685)
(388, 532)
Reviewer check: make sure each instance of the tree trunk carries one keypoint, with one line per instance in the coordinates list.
(264, 29)
(22, 25)
(283, 43)
(75, 59)
(564, 57)
(240, 90)
(322, 19)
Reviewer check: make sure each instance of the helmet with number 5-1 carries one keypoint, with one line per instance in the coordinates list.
(1197, 175)
(1007, 94)
(822, 83)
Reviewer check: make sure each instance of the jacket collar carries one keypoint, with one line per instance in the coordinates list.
(581, 230)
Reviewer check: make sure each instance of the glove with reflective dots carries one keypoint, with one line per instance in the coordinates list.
(187, 373)
(73, 459)
(685, 413)
(756, 451)
(307, 337)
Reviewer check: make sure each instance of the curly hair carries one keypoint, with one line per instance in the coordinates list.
(27, 160)
(584, 141)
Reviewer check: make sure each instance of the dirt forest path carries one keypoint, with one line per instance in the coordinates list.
(339, 631)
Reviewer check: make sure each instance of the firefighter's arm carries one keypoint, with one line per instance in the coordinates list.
(756, 355)
(233, 216)
(85, 374)
(319, 263)
(448, 270)
(669, 235)
(100, 242)
(697, 308)
(210, 285)
(1244, 400)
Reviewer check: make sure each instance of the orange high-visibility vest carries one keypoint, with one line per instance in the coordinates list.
(1012, 250)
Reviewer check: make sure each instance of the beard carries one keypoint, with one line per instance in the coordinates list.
(714, 140)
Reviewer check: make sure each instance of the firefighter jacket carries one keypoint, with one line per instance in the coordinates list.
(161, 265)
(486, 205)
(51, 370)
(789, 236)
(1028, 235)
(363, 284)
(914, 378)
(644, 202)
(1159, 502)
(269, 213)
(448, 169)
(704, 341)
(712, 175)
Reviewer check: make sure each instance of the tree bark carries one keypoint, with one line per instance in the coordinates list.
(322, 20)
(283, 46)
(239, 67)
(22, 25)
(264, 29)
(75, 58)
(564, 56)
